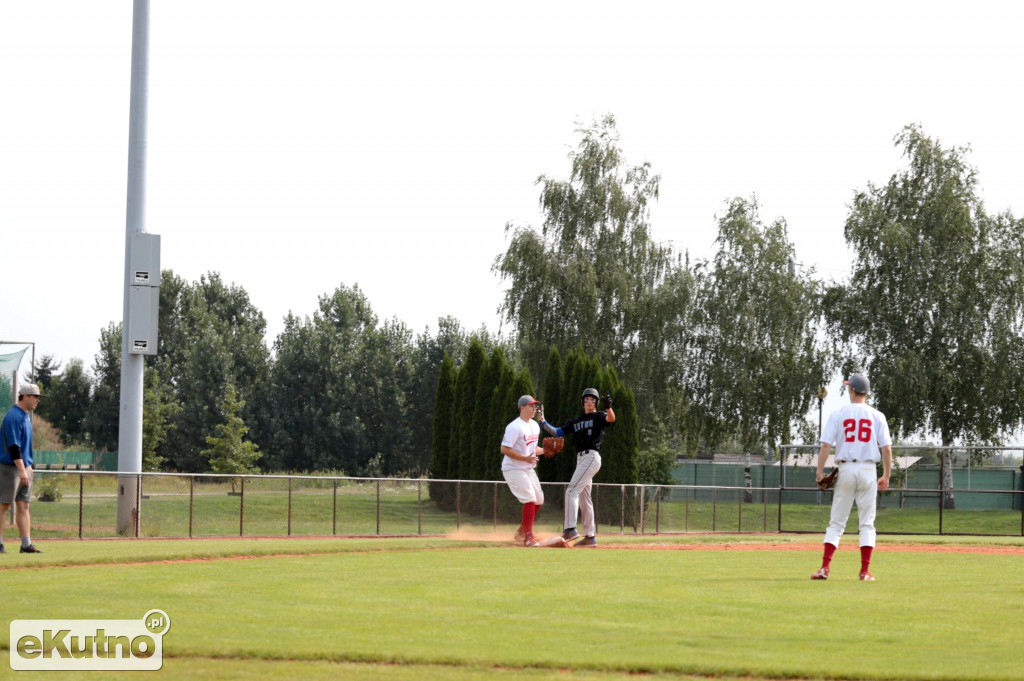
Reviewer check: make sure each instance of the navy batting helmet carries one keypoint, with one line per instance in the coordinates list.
(590, 392)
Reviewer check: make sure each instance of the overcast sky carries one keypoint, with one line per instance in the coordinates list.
(297, 145)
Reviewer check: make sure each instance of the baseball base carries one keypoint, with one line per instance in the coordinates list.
(553, 542)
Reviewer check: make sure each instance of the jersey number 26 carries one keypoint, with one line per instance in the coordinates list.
(857, 430)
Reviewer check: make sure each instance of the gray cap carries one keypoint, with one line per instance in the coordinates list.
(859, 383)
(28, 389)
(527, 399)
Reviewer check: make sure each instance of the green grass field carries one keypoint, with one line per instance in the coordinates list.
(432, 608)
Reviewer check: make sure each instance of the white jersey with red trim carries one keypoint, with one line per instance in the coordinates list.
(521, 436)
(857, 430)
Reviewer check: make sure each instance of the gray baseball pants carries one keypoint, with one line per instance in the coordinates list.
(588, 463)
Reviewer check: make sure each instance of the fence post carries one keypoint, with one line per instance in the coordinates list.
(334, 511)
(743, 501)
(419, 507)
(1022, 501)
(942, 486)
(714, 509)
(290, 506)
(781, 487)
(764, 500)
(191, 499)
(81, 490)
(138, 505)
(241, 508)
(458, 504)
(686, 503)
(657, 510)
(643, 509)
(378, 507)
(494, 506)
(622, 512)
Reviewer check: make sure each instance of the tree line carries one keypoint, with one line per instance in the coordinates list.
(732, 350)
(477, 400)
(728, 352)
(337, 391)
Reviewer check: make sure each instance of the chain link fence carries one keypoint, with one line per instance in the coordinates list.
(83, 504)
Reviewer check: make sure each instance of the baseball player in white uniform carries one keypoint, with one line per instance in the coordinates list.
(861, 437)
(519, 445)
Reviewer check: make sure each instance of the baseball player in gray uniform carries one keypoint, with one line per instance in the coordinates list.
(588, 430)
(861, 437)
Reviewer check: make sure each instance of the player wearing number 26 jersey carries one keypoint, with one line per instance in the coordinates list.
(860, 434)
(857, 431)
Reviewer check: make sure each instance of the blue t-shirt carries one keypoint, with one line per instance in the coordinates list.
(17, 430)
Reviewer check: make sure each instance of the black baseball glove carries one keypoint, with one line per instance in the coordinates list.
(607, 401)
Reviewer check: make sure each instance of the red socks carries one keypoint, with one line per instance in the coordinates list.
(830, 550)
(529, 513)
(865, 557)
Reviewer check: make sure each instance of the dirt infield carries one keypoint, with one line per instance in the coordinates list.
(756, 542)
(897, 548)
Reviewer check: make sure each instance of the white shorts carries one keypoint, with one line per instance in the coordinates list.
(525, 485)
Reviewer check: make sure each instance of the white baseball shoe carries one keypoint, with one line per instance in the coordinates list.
(866, 577)
(822, 573)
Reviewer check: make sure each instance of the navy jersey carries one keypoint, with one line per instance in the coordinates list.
(587, 430)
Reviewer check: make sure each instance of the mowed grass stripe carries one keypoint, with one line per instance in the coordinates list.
(122, 551)
(221, 669)
(930, 616)
(67, 553)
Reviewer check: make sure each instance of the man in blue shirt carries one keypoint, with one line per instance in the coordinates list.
(16, 465)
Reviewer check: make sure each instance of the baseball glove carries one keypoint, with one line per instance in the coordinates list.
(552, 446)
(829, 481)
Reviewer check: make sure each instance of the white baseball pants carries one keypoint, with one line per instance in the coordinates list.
(857, 483)
(588, 463)
(525, 485)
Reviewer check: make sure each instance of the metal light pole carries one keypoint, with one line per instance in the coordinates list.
(822, 394)
(129, 454)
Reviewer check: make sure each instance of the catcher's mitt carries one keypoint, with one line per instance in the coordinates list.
(552, 446)
(829, 481)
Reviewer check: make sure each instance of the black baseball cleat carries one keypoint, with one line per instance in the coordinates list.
(585, 542)
(2, 549)
(570, 535)
(31, 548)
